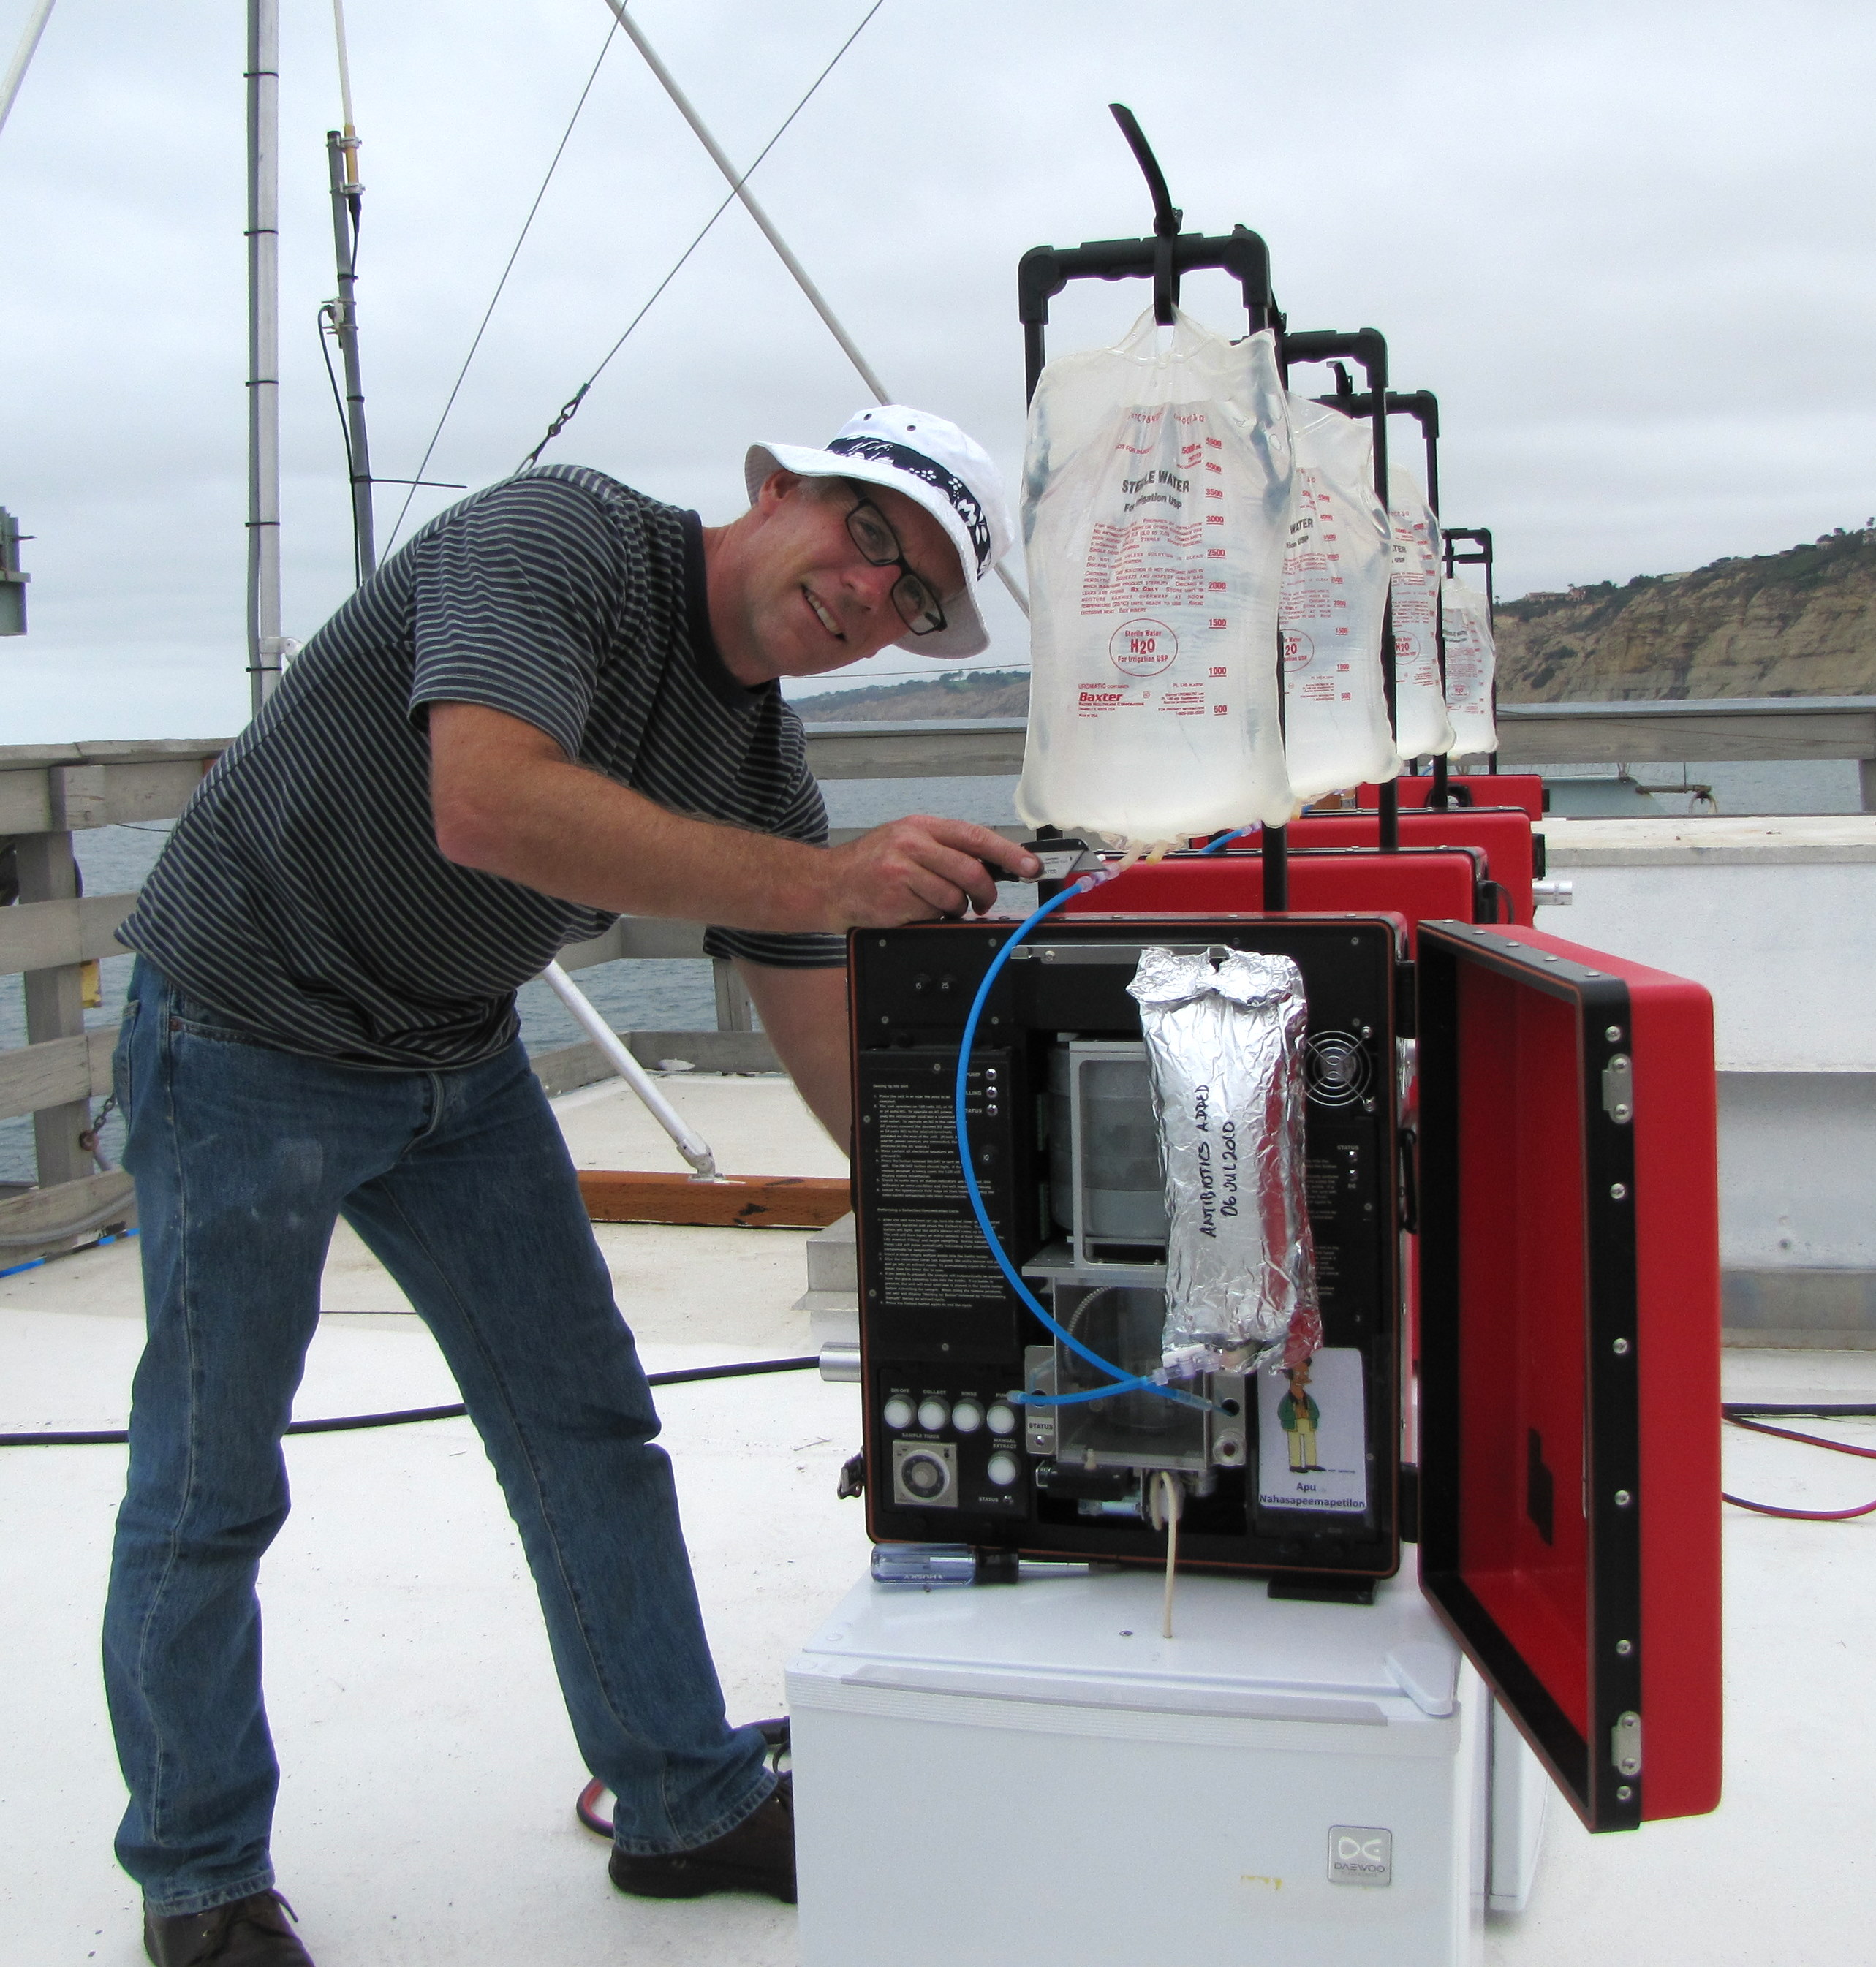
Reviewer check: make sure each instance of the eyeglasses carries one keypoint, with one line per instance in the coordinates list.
(912, 596)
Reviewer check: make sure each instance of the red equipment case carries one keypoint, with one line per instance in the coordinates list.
(1420, 885)
(1511, 848)
(1570, 1356)
(1518, 789)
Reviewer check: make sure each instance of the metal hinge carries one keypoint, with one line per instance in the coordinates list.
(1619, 1088)
(1624, 1744)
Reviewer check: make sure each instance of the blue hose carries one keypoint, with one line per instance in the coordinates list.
(1124, 1382)
(1225, 839)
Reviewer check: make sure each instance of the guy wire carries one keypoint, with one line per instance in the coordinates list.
(569, 409)
(559, 151)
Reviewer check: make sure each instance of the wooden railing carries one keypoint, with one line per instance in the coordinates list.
(49, 793)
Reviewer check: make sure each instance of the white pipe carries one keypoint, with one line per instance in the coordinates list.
(22, 57)
(669, 82)
(344, 68)
(738, 184)
(692, 1145)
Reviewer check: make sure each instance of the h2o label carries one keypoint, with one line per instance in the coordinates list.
(1142, 648)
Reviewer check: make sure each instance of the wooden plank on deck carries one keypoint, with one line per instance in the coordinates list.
(746, 1202)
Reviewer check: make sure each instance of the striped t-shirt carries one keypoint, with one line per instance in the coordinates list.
(303, 895)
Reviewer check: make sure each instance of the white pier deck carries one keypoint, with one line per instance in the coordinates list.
(426, 1813)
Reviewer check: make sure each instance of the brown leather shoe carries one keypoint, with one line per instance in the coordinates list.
(757, 1856)
(247, 1932)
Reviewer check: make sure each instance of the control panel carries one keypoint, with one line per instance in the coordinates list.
(965, 1442)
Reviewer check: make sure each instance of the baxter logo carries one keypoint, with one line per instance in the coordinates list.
(1360, 1854)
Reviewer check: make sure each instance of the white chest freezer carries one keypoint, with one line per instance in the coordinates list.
(1029, 1773)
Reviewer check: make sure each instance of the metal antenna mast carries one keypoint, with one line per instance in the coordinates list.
(341, 151)
(264, 350)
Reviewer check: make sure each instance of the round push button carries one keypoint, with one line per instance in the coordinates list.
(1002, 1418)
(967, 1416)
(898, 1411)
(933, 1415)
(1001, 1468)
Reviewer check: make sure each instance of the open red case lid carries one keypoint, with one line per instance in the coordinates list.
(1570, 1356)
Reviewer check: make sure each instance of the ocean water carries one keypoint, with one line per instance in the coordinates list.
(678, 996)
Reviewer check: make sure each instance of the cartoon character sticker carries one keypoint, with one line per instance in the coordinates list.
(1312, 1435)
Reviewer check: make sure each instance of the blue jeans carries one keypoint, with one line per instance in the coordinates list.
(459, 1183)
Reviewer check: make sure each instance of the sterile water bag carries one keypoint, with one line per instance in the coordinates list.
(1224, 1045)
(1471, 662)
(1336, 569)
(1421, 727)
(1156, 491)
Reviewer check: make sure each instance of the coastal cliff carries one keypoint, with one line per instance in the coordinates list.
(1801, 623)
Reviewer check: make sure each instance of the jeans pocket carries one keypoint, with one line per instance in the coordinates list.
(121, 1078)
(199, 1021)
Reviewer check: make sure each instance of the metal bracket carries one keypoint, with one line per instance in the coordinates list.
(1110, 953)
(1038, 1376)
(1619, 1088)
(1624, 1750)
(1226, 1425)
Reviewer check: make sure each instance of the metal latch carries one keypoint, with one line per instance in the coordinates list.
(1619, 1088)
(1102, 952)
(1624, 1744)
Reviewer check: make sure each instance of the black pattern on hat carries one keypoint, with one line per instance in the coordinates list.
(915, 464)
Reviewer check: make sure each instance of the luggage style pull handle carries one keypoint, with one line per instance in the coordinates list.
(1167, 217)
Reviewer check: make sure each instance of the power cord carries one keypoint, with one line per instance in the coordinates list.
(1737, 1415)
(742, 1369)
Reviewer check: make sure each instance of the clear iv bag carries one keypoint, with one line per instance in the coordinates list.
(1336, 565)
(1421, 727)
(1156, 490)
(1471, 662)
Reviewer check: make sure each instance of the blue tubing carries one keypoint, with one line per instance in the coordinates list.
(1124, 1381)
(1225, 839)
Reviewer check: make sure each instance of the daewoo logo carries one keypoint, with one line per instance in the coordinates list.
(1360, 1854)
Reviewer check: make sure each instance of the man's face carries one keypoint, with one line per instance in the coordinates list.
(802, 597)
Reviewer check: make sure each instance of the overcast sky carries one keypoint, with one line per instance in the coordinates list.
(1628, 245)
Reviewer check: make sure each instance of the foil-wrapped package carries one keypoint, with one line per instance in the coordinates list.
(1225, 1047)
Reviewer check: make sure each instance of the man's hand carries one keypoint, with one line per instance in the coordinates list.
(911, 869)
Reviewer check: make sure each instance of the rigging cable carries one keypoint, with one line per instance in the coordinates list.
(569, 409)
(482, 328)
(818, 301)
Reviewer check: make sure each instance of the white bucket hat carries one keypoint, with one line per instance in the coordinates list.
(925, 459)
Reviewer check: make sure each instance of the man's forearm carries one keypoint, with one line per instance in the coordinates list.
(506, 799)
(568, 831)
